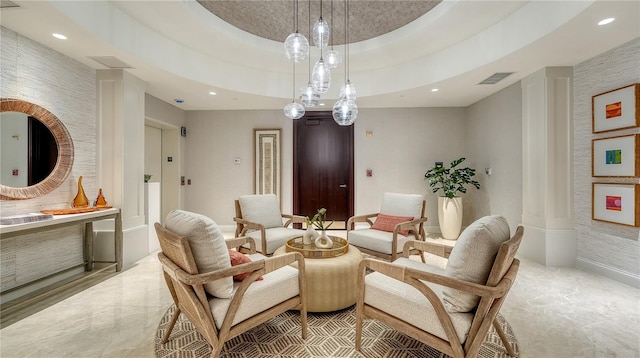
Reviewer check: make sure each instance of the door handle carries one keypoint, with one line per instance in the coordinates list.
(343, 185)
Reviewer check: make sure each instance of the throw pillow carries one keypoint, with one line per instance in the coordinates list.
(388, 223)
(472, 258)
(207, 246)
(238, 258)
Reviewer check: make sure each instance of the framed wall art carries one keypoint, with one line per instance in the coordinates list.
(616, 203)
(267, 161)
(616, 109)
(616, 156)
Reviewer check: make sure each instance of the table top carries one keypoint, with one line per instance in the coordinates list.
(340, 247)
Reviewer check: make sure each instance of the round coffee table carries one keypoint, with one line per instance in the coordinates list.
(332, 283)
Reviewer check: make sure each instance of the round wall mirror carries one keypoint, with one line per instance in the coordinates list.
(37, 151)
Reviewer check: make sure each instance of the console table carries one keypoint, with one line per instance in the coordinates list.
(86, 219)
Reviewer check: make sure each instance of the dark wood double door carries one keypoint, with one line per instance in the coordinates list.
(323, 167)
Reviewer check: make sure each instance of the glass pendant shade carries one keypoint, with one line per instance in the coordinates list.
(333, 59)
(294, 110)
(348, 91)
(296, 47)
(308, 96)
(345, 112)
(321, 33)
(321, 76)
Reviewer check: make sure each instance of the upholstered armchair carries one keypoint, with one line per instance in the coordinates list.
(450, 310)
(401, 218)
(220, 296)
(260, 217)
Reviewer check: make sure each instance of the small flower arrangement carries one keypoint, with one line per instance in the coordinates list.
(319, 220)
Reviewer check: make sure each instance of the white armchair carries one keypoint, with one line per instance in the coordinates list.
(260, 217)
(401, 218)
(451, 309)
(202, 280)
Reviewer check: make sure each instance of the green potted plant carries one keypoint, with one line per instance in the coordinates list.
(451, 181)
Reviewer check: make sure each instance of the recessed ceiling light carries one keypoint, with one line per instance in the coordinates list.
(435, 90)
(179, 101)
(212, 93)
(321, 104)
(59, 36)
(606, 21)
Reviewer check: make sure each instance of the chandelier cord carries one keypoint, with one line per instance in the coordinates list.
(310, 34)
(346, 39)
(295, 14)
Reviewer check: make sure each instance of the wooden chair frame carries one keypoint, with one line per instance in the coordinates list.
(186, 286)
(242, 226)
(415, 227)
(492, 296)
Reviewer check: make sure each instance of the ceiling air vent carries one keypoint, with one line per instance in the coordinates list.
(495, 78)
(111, 61)
(4, 4)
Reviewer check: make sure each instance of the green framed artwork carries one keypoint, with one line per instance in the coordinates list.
(616, 156)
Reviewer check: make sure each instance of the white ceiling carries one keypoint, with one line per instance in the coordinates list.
(183, 51)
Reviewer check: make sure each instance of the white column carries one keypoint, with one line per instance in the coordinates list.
(547, 152)
(120, 159)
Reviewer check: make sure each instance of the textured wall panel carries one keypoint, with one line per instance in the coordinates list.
(65, 87)
(611, 245)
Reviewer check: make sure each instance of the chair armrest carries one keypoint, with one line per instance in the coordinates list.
(360, 218)
(411, 276)
(293, 219)
(409, 225)
(430, 247)
(248, 224)
(239, 241)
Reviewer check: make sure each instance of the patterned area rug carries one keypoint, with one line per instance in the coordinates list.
(329, 335)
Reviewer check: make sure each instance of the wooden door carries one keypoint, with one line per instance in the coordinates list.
(323, 167)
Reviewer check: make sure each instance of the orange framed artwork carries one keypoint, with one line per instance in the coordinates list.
(616, 109)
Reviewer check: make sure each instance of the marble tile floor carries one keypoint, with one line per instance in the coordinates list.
(555, 312)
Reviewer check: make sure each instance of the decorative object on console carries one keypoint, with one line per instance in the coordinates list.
(616, 109)
(81, 200)
(616, 156)
(451, 181)
(616, 203)
(100, 200)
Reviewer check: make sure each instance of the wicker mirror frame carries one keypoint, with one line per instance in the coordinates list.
(65, 151)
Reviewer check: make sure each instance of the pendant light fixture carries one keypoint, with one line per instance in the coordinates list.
(320, 31)
(333, 57)
(309, 96)
(294, 110)
(296, 45)
(345, 110)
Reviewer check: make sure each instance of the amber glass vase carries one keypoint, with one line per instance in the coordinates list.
(100, 200)
(80, 201)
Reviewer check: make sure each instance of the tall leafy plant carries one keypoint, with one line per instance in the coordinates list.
(451, 180)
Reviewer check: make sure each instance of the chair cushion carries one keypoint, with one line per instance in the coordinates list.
(388, 223)
(207, 245)
(261, 209)
(376, 240)
(472, 258)
(238, 258)
(407, 303)
(276, 237)
(277, 286)
(402, 204)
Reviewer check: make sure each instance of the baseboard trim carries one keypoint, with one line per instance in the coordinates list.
(608, 271)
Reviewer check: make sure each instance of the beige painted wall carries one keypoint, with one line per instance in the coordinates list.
(494, 137)
(153, 153)
(404, 144)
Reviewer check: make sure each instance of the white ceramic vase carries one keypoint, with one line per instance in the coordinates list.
(310, 235)
(323, 241)
(450, 216)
